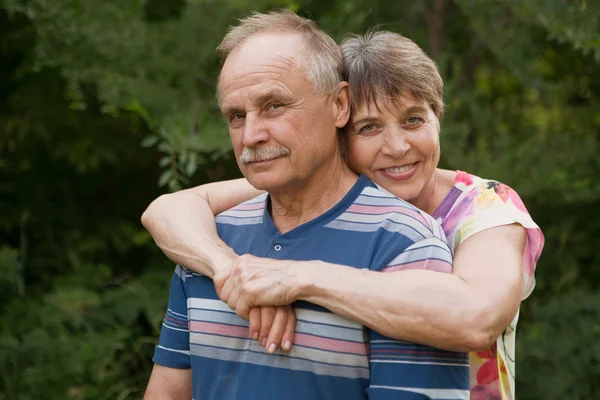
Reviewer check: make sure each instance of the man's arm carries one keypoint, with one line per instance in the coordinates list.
(171, 375)
(463, 311)
(182, 224)
(169, 384)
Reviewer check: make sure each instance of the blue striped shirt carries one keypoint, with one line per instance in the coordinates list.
(332, 357)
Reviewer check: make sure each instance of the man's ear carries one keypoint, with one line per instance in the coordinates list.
(341, 105)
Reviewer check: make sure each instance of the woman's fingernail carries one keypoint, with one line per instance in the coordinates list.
(263, 342)
(255, 336)
(272, 348)
(286, 345)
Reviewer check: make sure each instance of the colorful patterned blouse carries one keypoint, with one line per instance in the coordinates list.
(473, 205)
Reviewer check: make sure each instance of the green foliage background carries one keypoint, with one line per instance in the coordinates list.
(104, 105)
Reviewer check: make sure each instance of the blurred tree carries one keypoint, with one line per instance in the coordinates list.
(99, 100)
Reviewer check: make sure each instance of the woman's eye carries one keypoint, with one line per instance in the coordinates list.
(367, 128)
(414, 120)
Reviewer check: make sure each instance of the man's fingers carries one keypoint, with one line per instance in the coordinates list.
(290, 328)
(267, 314)
(254, 318)
(277, 329)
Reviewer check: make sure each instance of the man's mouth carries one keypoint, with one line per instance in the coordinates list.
(263, 160)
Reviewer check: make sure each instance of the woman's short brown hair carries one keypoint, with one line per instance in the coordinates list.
(383, 64)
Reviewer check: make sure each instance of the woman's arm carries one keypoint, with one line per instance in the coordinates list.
(463, 311)
(183, 226)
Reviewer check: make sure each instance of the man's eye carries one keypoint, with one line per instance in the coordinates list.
(236, 117)
(273, 106)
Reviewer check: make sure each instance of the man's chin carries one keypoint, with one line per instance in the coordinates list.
(267, 181)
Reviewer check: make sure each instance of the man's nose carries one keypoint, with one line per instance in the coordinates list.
(255, 131)
(395, 144)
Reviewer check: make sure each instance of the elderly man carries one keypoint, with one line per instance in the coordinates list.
(281, 93)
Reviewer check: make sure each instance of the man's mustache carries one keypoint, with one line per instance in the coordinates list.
(257, 154)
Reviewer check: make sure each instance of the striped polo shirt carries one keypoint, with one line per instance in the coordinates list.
(332, 357)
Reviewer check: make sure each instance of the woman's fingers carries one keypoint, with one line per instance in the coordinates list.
(267, 314)
(254, 318)
(273, 326)
(290, 328)
(279, 327)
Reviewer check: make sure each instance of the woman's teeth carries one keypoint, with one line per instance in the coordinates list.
(399, 169)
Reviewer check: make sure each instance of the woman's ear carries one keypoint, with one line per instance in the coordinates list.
(341, 105)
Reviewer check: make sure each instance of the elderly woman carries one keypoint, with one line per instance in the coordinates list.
(393, 138)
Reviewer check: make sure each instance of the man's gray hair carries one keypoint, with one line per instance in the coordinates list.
(324, 59)
(386, 65)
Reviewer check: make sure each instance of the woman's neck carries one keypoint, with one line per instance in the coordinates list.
(435, 191)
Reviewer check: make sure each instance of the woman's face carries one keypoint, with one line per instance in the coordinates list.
(396, 144)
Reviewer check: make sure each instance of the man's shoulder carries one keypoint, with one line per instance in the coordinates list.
(247, 213)
(377, 209)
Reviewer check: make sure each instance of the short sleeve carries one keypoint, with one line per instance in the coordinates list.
(431, 254)
(173, 349)
(403, 370)
(497, 205)
(418, 243)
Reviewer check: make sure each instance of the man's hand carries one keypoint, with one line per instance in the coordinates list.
(272, 325)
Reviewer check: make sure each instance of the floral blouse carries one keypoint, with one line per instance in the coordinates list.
(473, 205)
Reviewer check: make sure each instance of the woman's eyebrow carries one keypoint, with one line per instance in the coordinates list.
(367, 118)
(415, 110)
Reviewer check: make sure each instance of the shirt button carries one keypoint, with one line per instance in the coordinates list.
(277, 247)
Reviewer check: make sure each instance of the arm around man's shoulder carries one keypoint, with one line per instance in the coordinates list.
(412, 240)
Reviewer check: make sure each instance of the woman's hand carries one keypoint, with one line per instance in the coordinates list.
(272, 318)
(273, 327)
(254, 281)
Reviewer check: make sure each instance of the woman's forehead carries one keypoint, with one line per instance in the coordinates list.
(382, 104)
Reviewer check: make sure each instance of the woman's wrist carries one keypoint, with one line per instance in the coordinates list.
(220, 258)
(311, 279)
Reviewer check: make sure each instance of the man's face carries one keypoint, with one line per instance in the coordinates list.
(283, 132)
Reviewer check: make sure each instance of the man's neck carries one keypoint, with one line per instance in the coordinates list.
(315, 197)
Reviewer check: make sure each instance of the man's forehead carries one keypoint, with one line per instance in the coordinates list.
(282, 47)
(256, 66)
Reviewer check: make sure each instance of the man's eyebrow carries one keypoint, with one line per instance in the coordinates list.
(228, 110)
(259, 98)
(269, 95)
